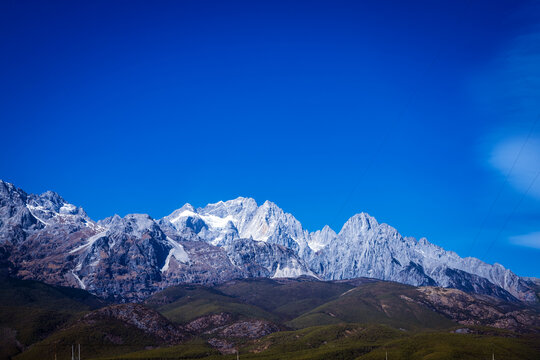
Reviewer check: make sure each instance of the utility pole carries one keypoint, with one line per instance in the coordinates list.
(387, 355)
(72, 353)
(79, 351)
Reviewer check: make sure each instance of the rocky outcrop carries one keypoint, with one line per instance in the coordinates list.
(468, 309)
(247, 329)
(209, 322)
(149, 321)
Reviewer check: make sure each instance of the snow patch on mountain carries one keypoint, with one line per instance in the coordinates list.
(79, 281)
(290, 272)
(321, 238)
(177, 251)
(241, 218)
(89, 242)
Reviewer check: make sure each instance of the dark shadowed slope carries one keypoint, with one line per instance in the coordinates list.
(31, 310)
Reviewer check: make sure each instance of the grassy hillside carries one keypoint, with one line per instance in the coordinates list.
(357, 342)
(31, 310)
(29, 293)
(287, 298)
(378, 303)
(107, 337)
(194, 349)
(326, 320)
(446, 346)
(184, 303)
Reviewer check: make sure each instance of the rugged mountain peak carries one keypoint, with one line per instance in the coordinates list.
(186, 209)
(135, 224)
(22, 214)
(52, 210)
(236, 208)
(108, 220)
(16, 220)
(11, 195)
(321, 238)
(239, 218)
(359, 225)
(51, 200)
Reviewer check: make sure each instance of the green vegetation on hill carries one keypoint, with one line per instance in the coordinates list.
(378, 303)
(31, 310)
(30, 293)
(358, 342)
(181, 304)
(195, 349)
(326, 320)
(447, 346)
(286, 297)
(99, 338)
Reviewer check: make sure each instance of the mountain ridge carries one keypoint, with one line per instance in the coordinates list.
(133, 256)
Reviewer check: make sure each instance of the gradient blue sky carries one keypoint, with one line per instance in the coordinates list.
(414, 112)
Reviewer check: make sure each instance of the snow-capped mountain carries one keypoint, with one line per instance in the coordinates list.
(365, 248)
(132, 257)
(241, 218)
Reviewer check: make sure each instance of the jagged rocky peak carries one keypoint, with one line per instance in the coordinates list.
(362, 228)
(51, 207)
(240, 218)
(359, 223)
(184, 211)
(108, 220)
(321, 238)
(15, 218)
(8, 191)
(22, 214)
(235, 208)
(133, 224)
(49, 200)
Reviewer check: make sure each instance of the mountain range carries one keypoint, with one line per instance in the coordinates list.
(43, 237)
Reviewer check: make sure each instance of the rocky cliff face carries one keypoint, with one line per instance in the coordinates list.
(130, 258)
(470, 309)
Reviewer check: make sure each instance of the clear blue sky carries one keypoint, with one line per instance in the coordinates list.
(414, 112)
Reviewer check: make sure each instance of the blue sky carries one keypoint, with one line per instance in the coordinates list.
(421, 113)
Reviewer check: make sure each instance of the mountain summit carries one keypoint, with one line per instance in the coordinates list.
(132, 257)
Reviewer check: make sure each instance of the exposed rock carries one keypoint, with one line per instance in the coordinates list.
(224, 346)
(149, 321)
(209, 322)
(248, 329)
(471, 309)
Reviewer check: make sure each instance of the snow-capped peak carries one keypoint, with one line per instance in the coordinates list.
(320, 238)
(240, 218)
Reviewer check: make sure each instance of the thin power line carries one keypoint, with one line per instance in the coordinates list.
(501, 188)
(512, 212)
(385, 137)
(380, 146)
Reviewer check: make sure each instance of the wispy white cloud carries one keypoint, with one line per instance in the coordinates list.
(531, 240)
